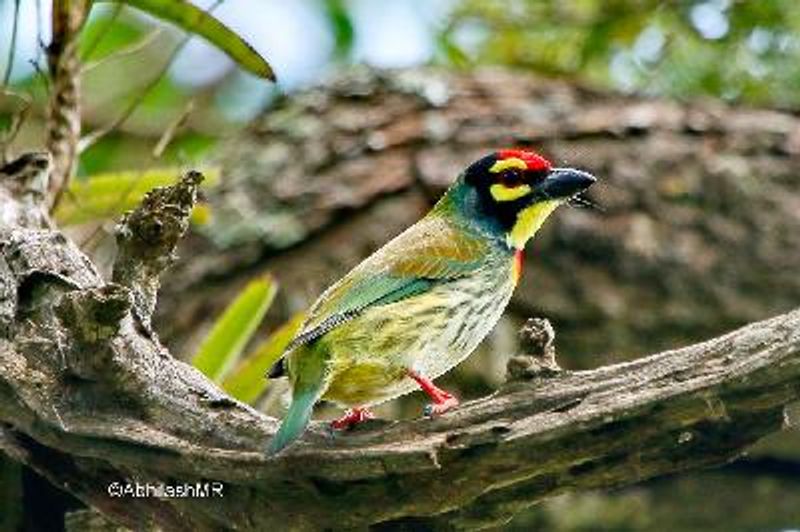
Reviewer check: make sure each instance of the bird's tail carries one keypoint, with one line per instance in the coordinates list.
(296, 419)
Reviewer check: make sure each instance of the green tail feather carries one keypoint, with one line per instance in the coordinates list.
(296, 420)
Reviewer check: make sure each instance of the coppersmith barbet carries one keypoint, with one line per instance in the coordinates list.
(423, 302)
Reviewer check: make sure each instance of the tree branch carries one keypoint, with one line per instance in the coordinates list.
(88, 399)
(147, 237)
(64, 108)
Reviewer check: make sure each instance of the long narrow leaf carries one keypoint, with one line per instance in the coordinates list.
(222, 347)
(195, 20)
(247, 381)
(108, 195)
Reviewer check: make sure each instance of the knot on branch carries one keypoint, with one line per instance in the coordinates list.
(537, 357)
(147, 237)
(94, 317)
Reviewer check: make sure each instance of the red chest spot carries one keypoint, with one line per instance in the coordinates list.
(519, 262)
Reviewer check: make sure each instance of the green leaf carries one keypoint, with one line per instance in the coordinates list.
(342, 26)
(247, 381)
(223, 345)
(107, 33)
(108, 195)
(195, 20)
(452, 52)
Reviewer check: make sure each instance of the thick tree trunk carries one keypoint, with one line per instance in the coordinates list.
(91, 400)
(699, 232)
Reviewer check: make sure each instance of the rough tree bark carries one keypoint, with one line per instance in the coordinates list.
(699, 232)
(89, 397)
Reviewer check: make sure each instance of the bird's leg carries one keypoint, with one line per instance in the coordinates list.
(352, 417)
(442, 400)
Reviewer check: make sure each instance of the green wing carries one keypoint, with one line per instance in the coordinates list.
(429, 253)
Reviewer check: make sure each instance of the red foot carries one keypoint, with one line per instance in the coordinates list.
(352, 417)
(442, 400)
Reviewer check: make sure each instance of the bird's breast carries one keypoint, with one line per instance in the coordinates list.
(477, 304)
(429, 333)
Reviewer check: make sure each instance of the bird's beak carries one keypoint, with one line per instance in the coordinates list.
(563, 183)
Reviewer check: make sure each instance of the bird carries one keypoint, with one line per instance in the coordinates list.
(423, 302)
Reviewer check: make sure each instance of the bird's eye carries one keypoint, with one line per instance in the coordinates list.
(511, 178)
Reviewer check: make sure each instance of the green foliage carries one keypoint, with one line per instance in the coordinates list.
(223, 346)
(106, 34)
(220, 354)
(342, 27)
(197, 21)
(451, 52)
(109, 195)
(189, 147)
(246, 381)
(745, 51)
(163, 97)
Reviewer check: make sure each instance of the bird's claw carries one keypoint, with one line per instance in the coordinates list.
(351, 418)
(442, 400)
(437, 409)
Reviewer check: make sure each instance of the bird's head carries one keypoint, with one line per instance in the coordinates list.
(512, 192)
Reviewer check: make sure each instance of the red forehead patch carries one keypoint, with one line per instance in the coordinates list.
(531, 158)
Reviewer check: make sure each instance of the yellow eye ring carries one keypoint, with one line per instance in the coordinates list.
(501, 192)
(505, 164)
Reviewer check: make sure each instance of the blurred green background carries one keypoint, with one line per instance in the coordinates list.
(746, 53)
(741, 52)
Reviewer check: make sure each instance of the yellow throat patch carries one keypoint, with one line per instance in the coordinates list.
(529, 220)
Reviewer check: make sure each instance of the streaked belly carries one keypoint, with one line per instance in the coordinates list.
(429, 334)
